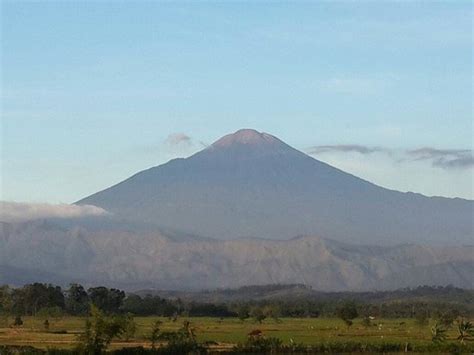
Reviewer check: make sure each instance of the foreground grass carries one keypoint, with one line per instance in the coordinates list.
(227, 332)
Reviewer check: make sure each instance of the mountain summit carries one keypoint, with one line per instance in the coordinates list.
(246, 144)
(247, 137)
(251, 184)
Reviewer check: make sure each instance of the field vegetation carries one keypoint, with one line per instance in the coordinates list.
(44, 318)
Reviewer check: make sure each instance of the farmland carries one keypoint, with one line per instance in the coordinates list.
(224, 333)
(279, 318)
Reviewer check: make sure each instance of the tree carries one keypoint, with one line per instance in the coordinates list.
(31, 298)
(99, 332)
(155, 333)
(347, 312)
(129, 327)
(272, 311)
(107, 300)
(242, 312)
(465, 330)
(189, 330)
(77, 300)
(5, 304)
(5, 300)
(438, 333)
(258, 315)
(148, 305)
(448, 317)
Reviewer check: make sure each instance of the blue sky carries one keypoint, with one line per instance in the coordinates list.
(92, 90)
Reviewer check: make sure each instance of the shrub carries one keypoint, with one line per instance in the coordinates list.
(99, 332)
(260, 345)
(421, 317)
(347, 312)
(18, 321)
(438, 333)
(465, 331)
(129, 327)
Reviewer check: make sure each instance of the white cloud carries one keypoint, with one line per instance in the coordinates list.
(20, 212)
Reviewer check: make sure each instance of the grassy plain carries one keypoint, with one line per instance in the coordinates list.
(227, 332)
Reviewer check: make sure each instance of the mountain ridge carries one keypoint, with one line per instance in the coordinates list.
(55, 253)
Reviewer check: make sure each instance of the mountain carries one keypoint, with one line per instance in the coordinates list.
(251, 184)
(45, 251)
(247, 210)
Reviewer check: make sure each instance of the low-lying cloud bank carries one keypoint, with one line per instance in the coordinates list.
(20, 212)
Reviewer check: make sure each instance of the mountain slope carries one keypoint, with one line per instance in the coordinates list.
(251, 184)
(43, 251)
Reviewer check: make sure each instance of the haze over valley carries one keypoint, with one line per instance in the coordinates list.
(247, 210)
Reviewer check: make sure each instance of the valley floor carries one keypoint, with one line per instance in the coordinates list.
(226, 332)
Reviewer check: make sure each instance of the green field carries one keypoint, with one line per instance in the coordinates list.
(227, 332)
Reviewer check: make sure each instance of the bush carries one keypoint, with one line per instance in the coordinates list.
(260, 345)
(18, 321)
(421, 317)
(19, 350)
(465, 331)
(347, 312)
(129, 327)
(99, 332)
(181, 342)
(366, 322)
(438, 333)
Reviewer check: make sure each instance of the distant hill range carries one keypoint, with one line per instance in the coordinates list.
(248, 210)
(299, 292)
(251, 184)
(47, 251)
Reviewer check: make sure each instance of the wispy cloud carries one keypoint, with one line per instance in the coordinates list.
(439, 158)
(444, 158)
(175, 139)
(345, 148)
(180, 139)
(20, 212)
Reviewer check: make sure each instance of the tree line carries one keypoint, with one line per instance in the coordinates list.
(47, 299)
